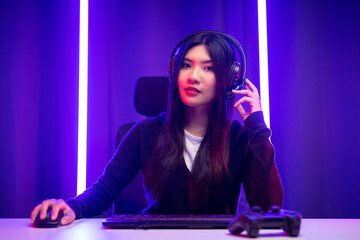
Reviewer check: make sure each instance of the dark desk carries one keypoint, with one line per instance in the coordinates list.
(329, 229)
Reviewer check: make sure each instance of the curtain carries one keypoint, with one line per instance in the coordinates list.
(315, 106)
(313, 59)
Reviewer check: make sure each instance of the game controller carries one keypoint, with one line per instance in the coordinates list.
(275, 218)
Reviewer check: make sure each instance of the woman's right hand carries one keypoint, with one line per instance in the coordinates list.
(56, 205)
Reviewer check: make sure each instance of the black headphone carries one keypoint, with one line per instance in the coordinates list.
(237, 69)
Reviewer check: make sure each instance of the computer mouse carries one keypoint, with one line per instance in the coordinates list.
(47, 222)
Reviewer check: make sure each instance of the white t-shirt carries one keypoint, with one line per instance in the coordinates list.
(192, 144)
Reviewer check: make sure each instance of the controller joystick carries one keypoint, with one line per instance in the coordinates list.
(275, 218)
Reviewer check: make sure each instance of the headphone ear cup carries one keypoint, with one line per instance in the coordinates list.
(235, 80)
(171, 66)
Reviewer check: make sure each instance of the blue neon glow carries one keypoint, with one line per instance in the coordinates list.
(263, 61)
(83, 91)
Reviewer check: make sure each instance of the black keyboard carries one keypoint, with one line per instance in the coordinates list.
(168, 221)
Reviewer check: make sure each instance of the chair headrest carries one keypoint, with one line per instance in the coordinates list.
(151, 95)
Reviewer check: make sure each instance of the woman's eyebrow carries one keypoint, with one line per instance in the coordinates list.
(202, 62)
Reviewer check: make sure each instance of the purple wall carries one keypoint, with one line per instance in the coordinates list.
(313, 60)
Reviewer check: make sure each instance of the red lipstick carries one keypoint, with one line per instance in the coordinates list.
(192, 89)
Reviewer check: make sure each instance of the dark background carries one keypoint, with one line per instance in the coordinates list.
(313, 77)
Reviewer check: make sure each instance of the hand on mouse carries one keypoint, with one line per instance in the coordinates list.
(56, 205)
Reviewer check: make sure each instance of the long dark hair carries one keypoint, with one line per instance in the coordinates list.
(210, 165)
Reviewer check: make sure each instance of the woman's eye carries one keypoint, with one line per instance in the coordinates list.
(186, 65)
(209, 68)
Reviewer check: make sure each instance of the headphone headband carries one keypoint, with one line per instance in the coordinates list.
(237, 70)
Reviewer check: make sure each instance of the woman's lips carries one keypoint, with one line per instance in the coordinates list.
(192, 89)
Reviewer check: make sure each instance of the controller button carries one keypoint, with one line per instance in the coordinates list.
(275, 210)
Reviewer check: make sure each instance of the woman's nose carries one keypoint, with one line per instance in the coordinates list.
(194, 75)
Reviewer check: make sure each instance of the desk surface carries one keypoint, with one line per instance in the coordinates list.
(318, 229)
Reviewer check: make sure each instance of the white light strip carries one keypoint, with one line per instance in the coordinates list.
(83, 87)
(263, 61)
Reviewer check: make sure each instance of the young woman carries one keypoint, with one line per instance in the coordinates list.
(193, 157)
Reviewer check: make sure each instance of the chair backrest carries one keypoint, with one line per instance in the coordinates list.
(150, 100)
(151, 94)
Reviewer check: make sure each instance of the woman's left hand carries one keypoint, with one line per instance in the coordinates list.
(251, 96)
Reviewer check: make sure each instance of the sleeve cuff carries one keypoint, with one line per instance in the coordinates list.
(255, 121)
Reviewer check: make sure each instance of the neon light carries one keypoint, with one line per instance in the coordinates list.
(263, 61)
(83, 85)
